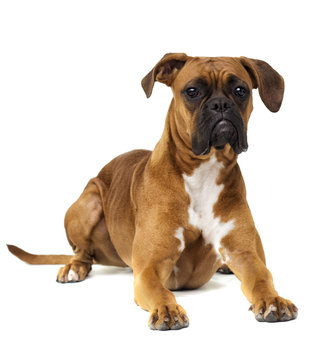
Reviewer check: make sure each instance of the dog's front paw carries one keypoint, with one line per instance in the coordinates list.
(274, 309)
(168, 317)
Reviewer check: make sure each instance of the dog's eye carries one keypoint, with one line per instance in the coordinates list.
(193, 92)
(239, 91)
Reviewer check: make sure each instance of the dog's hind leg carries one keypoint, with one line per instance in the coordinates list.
(80, 220)
(87, 234)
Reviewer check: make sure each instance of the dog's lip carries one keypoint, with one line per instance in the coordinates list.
(240, 146)
(206, 150)
(208, 146)
(222, 120)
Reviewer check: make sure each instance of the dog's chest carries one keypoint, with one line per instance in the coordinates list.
(204, 192)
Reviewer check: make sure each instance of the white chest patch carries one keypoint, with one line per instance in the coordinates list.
(203, 191)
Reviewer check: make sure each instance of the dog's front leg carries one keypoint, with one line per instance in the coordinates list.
(245, 258)
(153, 259)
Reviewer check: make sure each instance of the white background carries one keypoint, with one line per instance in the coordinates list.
(71, 100)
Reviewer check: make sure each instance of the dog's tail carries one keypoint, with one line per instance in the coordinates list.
(39, 259)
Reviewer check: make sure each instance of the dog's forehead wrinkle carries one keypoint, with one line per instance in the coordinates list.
(216, 64)
(214, 78)
(201, 81)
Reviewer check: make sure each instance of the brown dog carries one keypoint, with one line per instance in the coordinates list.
(179, 213)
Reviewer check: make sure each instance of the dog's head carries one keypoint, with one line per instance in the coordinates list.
(213, 96)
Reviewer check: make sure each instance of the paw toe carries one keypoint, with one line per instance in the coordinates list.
(163, 327)
(180, 323)
(260, 315)
(73, 276)
(285, 315)
(271, 314)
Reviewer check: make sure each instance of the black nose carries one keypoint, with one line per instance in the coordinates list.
(219, 104)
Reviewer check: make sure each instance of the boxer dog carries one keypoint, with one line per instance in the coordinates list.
(179, 213)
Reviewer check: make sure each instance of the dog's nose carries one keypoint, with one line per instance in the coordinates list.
(219, 104)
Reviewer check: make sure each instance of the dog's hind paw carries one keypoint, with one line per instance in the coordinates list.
(224, 269)
(74, 272)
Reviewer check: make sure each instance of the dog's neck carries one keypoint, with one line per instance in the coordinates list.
(175, 146)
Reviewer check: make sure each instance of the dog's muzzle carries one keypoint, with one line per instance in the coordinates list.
(225, 132)
(217, 126)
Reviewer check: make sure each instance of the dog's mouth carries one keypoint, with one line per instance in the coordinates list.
(225, 132)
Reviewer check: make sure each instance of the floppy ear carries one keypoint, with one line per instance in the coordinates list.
(270, 84)
(164, 71)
